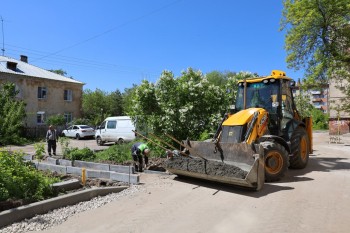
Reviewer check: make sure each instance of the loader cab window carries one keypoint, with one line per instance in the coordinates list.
(287, 109)
(259, 95)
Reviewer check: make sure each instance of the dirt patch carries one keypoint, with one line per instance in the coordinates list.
(208, 167)
(154, 164)
(14, 203)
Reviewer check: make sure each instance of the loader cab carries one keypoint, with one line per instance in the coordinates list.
(274, 94)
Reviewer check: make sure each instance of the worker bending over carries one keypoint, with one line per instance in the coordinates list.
(139, 150)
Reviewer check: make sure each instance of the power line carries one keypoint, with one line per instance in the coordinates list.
(3, 36)
(79, 62)
(110, 30)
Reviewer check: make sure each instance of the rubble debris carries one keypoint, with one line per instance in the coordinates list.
(209, 167)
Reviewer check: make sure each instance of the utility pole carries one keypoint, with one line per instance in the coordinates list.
(3, 36)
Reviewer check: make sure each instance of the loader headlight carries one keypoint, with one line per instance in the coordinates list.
(272, 80)
(266, 81)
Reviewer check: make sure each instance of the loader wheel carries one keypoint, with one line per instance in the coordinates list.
(300, 149)
(276, 161)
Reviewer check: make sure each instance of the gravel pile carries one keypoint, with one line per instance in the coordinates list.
(212, 168)
(58, 216)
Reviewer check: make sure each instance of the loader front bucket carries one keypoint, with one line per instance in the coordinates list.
(237, 164)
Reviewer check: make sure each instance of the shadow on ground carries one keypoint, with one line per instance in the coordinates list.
(217, 187)
(319, 164)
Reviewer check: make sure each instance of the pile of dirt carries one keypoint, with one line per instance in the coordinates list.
(199, 165)
(154, 164)
(9, 204)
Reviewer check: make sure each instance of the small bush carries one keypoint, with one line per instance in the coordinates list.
(20, 180)
(64, 142)
(56, 120)
(117, 153)
(84, 154)
(156, 151)
(81, 121)
(204, 136)
(39, 150)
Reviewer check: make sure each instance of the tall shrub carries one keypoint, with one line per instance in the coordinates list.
(12, 114)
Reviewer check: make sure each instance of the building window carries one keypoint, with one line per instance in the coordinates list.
(68, 116)
(40, 118)
(68, 95)
(42, 92)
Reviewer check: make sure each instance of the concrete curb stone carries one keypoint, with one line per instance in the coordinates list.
(28, 211)
(96, 166)
(97, 170)
(66, 185)
(51, 167)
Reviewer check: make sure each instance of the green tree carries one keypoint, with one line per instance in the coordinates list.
(12, 114)
(231, 84)
(98, 104)
(128, 97)
(115, 103)
(318, 37)
(318, 40)
(217, 78)
(60, 72)
(184, 106)
(56, 120)
(319, 119)
(222, 79)
(303, 104)
(306, 109)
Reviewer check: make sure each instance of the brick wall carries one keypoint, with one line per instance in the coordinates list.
(343, 125)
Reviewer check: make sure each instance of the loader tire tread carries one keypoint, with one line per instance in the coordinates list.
(300, 149)
(279, 153)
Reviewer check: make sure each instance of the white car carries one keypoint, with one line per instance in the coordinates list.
(79, 131)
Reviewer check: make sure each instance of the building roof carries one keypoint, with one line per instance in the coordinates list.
(25, 69)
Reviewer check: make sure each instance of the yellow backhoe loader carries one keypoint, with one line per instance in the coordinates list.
(257, 142)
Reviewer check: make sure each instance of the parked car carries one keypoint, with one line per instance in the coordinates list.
(79, 131)
(118, 129)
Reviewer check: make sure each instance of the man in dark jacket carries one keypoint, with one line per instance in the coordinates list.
(51, 138)
(138, 150)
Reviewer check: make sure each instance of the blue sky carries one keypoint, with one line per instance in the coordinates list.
(111, 45)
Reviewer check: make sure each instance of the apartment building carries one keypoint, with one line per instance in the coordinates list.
(45, 93)
(318, 96)
(339, 121)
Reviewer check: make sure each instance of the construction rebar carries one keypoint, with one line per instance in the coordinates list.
(150, 140)
(172, 147)
(183, 145)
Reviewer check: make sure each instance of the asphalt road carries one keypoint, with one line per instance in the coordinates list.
(315, 199)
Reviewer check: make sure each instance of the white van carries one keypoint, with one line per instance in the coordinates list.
(116, 129)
